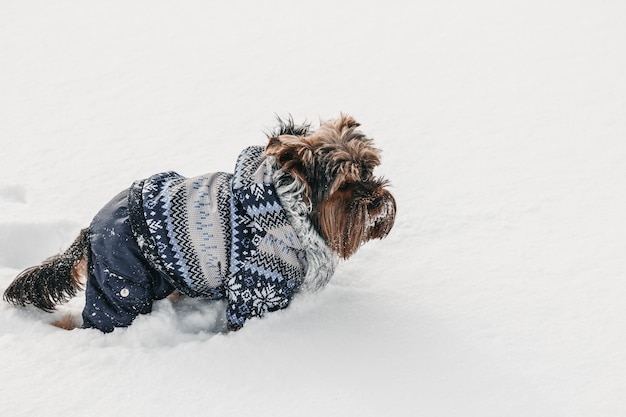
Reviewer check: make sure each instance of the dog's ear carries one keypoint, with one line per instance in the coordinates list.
(293, 154)
(273, 146)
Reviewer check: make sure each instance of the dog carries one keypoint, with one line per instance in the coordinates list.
(255, 237)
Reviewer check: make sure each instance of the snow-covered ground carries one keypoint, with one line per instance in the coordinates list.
(500, 292)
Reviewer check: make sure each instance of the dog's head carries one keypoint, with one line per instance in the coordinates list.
(335, 164)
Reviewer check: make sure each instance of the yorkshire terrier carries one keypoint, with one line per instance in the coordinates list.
(277, 225)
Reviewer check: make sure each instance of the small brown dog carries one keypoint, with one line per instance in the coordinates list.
(255, 237)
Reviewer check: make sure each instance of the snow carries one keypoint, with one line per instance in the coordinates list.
(498, 293)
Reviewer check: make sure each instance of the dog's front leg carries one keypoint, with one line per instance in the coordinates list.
(174, 297)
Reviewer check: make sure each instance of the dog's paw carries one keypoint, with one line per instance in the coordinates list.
(175, 296)
(68, 316)
(68, 322)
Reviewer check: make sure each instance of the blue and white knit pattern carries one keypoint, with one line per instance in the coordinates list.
(188, 220)
(268, 262)
(234, 236)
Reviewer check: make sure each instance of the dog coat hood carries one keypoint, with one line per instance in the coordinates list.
(222, 236)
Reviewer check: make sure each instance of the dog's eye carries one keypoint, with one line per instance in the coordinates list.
(285, 157)
(344, 186)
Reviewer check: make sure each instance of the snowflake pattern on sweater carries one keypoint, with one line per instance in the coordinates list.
(267, 261)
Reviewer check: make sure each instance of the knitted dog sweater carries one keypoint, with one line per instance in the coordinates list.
(230, 236)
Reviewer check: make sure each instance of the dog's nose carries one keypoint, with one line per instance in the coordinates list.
(376, 202)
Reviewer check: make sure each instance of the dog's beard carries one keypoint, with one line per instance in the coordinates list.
(355, 214)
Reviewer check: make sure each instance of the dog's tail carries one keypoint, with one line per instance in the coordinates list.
(55, 281)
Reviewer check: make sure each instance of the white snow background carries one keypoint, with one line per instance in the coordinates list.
(501, 290)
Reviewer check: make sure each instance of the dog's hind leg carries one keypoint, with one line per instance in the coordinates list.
(55, 281)
(72, 320)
